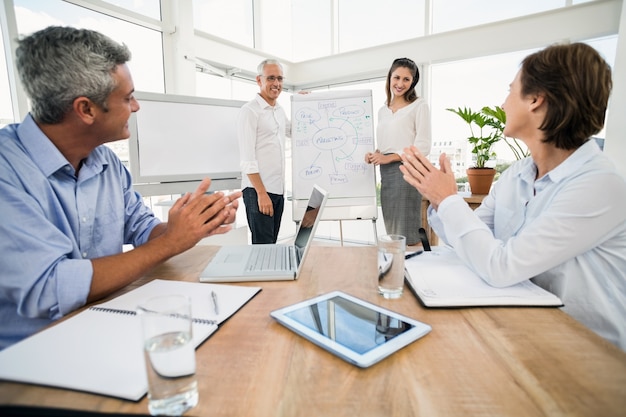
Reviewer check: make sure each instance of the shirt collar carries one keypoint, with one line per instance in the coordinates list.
(565, 169)
(575, 161)
(45, 155)
(264, 104)
(41, 149)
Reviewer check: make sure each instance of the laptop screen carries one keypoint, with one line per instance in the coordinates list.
(309, 220)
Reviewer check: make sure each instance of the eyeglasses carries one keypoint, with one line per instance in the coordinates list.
(272, 78)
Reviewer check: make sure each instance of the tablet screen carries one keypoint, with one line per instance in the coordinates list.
(352, 325)
(359, 332)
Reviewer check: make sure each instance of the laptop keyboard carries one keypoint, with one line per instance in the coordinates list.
(270, 258)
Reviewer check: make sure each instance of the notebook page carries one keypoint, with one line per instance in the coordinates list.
(230, 298)
(441, 279)
(101, 351)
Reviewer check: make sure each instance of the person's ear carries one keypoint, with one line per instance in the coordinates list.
(85, 109)
(536, 101)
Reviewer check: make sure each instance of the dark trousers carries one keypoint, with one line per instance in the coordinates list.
(264, 228)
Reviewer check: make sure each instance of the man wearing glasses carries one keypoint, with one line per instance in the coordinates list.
(262, 129)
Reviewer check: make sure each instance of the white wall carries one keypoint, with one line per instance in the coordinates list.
(615, 142)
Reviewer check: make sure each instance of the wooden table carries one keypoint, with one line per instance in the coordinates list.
(476, 361)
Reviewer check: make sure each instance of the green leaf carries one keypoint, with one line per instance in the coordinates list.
(490, 124)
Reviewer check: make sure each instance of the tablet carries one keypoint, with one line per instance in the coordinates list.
(355, 330)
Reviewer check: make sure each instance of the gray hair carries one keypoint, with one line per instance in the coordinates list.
(259, 69)
(59, 64)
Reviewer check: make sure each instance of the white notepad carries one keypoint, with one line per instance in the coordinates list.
(440, 279)
(100, 349)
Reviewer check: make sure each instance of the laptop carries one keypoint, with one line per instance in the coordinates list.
(268, 262)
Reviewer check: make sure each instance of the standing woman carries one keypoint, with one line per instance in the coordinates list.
(403, 121)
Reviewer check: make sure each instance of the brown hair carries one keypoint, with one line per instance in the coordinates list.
(410, 95)
(576, 83)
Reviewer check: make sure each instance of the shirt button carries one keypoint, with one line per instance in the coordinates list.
(84, 219)
(84, 254)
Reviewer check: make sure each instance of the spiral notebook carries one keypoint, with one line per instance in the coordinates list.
(440, 279)
(99, 350)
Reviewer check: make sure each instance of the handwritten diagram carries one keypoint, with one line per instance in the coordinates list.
(331, 132)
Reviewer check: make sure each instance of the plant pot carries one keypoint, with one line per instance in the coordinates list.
(480, 179)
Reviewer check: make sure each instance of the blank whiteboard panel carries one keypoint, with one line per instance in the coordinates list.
(331, 133)
(183, 138)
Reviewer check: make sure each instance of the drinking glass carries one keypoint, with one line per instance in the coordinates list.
(169, 354)
(391, 251)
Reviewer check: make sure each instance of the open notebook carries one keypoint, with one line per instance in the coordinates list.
(268, 262)
(440, 279)
(99, 350)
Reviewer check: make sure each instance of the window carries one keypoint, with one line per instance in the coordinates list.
(482, 82)
(295, 29)
(145, 44)
(473, 83)
(227, 19)
(149, 8)
(456, 14)
(274, 33)
(365, 23)
(6, 108)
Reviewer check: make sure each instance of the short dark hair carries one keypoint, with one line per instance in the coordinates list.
(410, 95)
(576, 82)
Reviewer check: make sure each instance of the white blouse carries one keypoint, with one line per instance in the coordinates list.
(408, 126)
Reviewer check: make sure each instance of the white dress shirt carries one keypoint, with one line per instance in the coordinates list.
(566, 231)
(408, 126)
(261, 131)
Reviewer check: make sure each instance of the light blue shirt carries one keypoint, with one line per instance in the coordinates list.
(52, 223)
(566, 231)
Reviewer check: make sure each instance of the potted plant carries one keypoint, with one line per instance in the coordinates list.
(497, 122)
(486, 129)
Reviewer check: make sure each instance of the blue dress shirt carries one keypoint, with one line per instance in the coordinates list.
(566, 231)
(53, 222)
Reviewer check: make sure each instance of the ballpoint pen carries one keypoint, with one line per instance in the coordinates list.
(412, 254)
(215, 305)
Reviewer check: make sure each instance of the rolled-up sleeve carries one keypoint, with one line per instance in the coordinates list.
(246, 135)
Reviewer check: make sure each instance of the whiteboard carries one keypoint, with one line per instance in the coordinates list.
(183, 139)
(331, 133)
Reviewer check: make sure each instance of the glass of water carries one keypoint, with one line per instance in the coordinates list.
(391, 251)
(169, 354)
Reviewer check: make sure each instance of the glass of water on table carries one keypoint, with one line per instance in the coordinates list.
(169, 354)
(391, 252)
